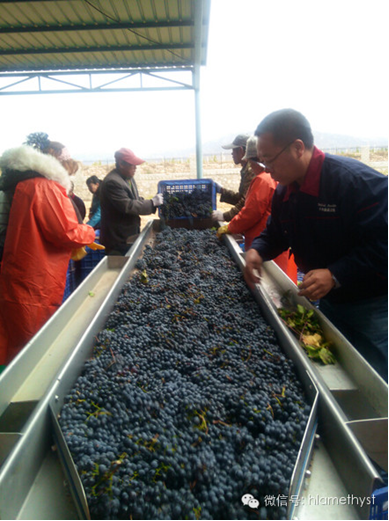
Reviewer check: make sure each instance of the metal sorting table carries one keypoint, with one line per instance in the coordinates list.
(333, 477)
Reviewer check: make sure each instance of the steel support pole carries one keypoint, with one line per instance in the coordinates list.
(196, 85)
(199, 150)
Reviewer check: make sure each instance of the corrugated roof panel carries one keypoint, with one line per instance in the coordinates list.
(111, 59)
(92, 34)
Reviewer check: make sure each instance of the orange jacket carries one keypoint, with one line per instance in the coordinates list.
(41, 233)
(251, 220)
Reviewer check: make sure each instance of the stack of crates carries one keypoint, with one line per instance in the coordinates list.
(187, 186)
(70, 280)
(91, 260)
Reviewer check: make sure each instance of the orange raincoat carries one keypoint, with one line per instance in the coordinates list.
(42, 231)
(252, 218)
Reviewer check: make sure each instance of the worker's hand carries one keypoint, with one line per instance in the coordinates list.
(157, 200)
(252, 271)
(218, 187)
(78, 254)
(316, 284)
(222, 230)
(217, 215)
(96, 246)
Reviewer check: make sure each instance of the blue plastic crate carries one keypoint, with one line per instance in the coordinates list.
(188, 185)
(90, 261)
(379, 504)
(70, 280)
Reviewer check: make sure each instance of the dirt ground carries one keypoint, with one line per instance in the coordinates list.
(150, 174)
(147, 181)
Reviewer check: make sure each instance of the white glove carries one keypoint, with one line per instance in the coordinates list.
(217, 215)
(157, 200)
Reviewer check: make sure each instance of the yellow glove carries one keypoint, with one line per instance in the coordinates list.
(96, 246)
(222, 230)
(78, 254)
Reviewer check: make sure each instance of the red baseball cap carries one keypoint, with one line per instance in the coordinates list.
(128, 156)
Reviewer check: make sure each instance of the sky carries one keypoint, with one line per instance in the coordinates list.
(327, 59)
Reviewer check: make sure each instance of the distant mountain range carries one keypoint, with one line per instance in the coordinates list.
(324, 141)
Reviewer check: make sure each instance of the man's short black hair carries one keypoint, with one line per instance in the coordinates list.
(93, 179)
(286, 125)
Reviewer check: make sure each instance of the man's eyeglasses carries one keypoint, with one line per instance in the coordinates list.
(269, 162)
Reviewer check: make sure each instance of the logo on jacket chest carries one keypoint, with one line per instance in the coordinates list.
(327, 208)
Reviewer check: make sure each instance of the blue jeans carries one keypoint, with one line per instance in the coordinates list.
(365, 325)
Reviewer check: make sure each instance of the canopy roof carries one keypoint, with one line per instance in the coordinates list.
(65, 46)
(42, 35)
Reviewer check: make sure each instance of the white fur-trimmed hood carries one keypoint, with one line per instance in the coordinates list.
(25, 158)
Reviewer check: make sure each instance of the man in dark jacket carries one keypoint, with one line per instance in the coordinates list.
(121, 204)
(238, 147)
(332, 212)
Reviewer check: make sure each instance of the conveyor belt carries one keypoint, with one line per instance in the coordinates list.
(57, 354)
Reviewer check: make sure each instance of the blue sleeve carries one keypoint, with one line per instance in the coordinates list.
(95, 219)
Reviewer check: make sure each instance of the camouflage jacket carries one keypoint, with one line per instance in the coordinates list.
(237, 198)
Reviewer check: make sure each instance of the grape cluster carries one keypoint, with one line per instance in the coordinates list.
(188, 403)
(197, 204)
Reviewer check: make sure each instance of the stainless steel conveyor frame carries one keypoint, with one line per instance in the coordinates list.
(352, 404)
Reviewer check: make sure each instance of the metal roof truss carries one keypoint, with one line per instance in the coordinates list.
(42, 41)
(57, 82)
(75, 46)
